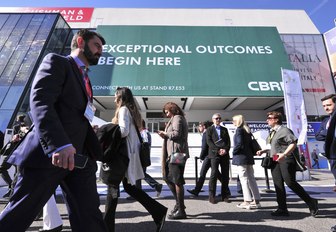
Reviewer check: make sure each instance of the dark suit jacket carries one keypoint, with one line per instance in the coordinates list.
(321, 134)
(215, 143)
(330, 141)
(242, 153)
(58, 101)
(205, 147)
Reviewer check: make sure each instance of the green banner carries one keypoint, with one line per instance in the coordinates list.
(191, 61)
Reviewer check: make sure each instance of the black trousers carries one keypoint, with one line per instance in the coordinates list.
(4, 166)
(224, 175)
(150, 180)
(36, 185)
(332, 163)
(152, 206)
(284, 172)
(111, 206)
(206, 165)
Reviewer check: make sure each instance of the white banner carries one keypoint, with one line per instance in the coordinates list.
(294, 104)
(308, 56)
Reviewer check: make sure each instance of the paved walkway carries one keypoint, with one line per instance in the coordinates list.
(203, 216)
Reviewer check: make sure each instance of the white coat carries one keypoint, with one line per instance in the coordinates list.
(127, 128)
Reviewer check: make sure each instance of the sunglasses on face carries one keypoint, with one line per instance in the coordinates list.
(217, 118)
(269, 118)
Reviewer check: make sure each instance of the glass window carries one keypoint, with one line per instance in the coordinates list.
(22, 39)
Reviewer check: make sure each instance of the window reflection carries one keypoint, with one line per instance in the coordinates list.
(23, 38)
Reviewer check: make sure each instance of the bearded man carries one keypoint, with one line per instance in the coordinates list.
(61, 147)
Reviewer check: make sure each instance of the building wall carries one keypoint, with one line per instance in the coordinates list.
(286, 21)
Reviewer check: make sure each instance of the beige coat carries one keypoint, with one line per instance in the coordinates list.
(176, 139)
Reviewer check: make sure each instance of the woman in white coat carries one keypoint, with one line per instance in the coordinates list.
(128, 117)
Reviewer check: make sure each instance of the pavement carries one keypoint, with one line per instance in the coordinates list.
(203, 216)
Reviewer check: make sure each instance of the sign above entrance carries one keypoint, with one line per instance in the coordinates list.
(191, 61)
(70, 14)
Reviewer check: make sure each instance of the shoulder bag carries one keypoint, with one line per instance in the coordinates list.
(144, 150)
(267, 162)
(254, 145)
(178, 158)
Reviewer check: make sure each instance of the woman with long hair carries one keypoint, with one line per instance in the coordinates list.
(175, 138)
(242, 156)
(128, 117)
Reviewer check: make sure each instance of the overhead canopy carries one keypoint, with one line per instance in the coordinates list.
(191, 61)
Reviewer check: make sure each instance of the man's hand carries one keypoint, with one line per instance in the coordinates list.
(64, 158)
(15, 138)
(221, 152)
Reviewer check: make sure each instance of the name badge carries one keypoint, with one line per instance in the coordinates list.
(90, 111)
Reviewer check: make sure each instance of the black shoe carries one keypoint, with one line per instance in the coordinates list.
(280, 213)
(212, 200)
(193, 192)
(226, 199)
(313, 207)
(158, 190)
(180, 214)
(161, 222)
(56, 229)
(174, 210)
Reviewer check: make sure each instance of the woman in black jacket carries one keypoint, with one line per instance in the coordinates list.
(243, 158)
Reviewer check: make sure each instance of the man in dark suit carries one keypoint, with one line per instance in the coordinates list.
(61, 111)
(203, 156)
(328, 103)
(218, 141)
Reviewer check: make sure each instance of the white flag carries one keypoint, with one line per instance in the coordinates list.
(294, 104)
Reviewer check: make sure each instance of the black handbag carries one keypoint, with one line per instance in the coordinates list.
(254, 145)
(145, 154)
(267, 162)
(144, 150)
(178, 158)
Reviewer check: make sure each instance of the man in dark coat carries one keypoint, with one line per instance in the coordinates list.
(328, 103)
(61, 111)
(218, 140)
(206, 164)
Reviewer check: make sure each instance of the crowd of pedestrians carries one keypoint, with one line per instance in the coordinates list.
(61, 149)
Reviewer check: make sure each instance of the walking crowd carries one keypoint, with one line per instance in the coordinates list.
(61, 148)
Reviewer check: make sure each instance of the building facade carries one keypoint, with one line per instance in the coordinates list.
(199, 72)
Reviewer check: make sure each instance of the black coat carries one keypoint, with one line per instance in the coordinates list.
(215, 143)
(58, 100)
(242, 153)
(205, 147)
(330, 142)
(115, 157)
(321, 134)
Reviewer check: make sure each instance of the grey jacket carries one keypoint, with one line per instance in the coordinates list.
(176, 139)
